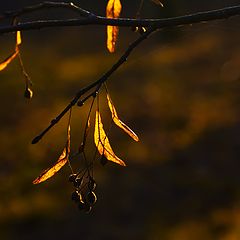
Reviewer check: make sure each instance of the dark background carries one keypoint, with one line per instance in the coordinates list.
(179, 91)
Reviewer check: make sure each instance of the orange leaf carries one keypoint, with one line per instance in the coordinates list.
(102, 142)
(113, 10)
(118, 122)
(4, 64)
(53, 170)
(18, 38)
(62, 160)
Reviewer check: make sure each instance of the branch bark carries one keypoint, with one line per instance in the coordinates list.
(88, 18)
(97, 84)
(91, 19)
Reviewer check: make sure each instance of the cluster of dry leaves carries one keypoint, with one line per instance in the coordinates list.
(113, 10)
(100, 139)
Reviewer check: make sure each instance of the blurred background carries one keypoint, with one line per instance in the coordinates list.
(179, 91)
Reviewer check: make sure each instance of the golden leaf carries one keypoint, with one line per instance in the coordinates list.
(4, 64)
(62, 160)
(118, 122)
(53, 170)
(18, 38)
(102, 142)
(113, 10)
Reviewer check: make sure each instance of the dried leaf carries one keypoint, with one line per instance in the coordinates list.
(158, 2)
(102, 142)
(118, 122)
(53, 170)
(18, 38)
(62, 160)
(4, 64)
(113, 10)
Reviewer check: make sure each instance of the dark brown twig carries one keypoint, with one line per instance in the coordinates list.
(91, 19)
(97, 84)
(46, 5)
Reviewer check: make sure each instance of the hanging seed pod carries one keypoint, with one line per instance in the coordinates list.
(78, 182)
(76, 196)
(91, 198)
(92, 184)
(81, 205)
(28, 93)
(72, 177)
(87, 208)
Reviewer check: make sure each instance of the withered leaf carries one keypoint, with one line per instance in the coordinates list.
(28, 93)
(18, 38)
(113, 10)
(53, 170)
(102, 142)
(62, 160)
(118, 122)
(4, 64)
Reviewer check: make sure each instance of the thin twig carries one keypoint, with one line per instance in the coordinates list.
(96, 84)
(44, 6)
(199, 17)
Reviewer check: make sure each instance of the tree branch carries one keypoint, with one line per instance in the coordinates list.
(91, 19)
(153, 24)
(88, 18)
(45, 5)
(96, 84)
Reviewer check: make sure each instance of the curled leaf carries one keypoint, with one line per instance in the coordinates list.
(53, 170)
(113, 10)
(102, 142)
(118, 122)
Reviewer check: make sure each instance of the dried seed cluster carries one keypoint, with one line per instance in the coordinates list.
(84, 195)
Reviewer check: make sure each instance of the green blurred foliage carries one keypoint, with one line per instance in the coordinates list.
(179, 91)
